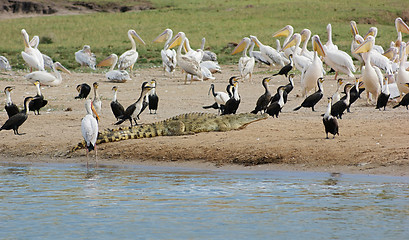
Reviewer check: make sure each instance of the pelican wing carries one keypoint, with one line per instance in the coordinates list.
(189, 64)
(127, 59)
(381, 61)
(4, 63)
(118, 76)
(246, 65)
(340, 61)
(169, 59)
(31, 59)
(212, 66)
(45, 78)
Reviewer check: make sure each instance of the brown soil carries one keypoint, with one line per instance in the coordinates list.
(370, 141)
(27, 8)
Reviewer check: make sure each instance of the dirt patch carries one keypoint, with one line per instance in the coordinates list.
(17, 8)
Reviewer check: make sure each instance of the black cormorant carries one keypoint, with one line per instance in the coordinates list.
(83, 90)
(18, 119)
(330, 122)
(153, 98)
(116, 107)
(263, 100)
(10, 107)
(134, 109)
(38, 100)
(314, 98)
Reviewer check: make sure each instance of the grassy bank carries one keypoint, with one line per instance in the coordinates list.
(220, 22)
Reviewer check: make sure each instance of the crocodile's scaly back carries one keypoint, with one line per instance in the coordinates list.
(188, 123)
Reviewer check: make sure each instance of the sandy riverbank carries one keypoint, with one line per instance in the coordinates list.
(370, 141)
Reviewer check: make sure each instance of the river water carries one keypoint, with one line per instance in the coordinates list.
(67, 201)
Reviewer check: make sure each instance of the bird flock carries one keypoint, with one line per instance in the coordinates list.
(384, 75)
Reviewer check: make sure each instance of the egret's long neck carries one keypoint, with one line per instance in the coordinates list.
(8, 98)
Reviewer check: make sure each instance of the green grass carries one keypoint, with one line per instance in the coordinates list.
(220, 22)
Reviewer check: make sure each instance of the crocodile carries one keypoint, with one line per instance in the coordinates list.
(184, 124)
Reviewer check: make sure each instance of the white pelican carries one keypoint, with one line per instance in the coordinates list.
(287, 32)
(85, 57)
(32, 56)
(46, 78)
(314, 71)
(128, 58)
(119, 76)
(300, 61)
(305, 37)
(196, 54)
(373, 31)
(356, 41)
(188, 64)
(206, 73)
(89, 128)
(403, 74)
(329, 44)
(369, 74)
(48, 61)
(96, 101)
(169, 61)
(274, 57)
(207, 55)
(337, 59)
(213, 67)
(246, 63)
(4, 63)
(401, 27)
(258, 57)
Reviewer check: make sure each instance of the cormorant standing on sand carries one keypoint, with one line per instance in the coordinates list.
(263, 100)
(83, 90)
(18, 119)
(10, 107)
(153, 98)
(38, 100)
(287, 68)
(314, 98)
(330, 122)
(116, 107)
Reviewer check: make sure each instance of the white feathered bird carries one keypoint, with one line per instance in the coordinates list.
(89, 128)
